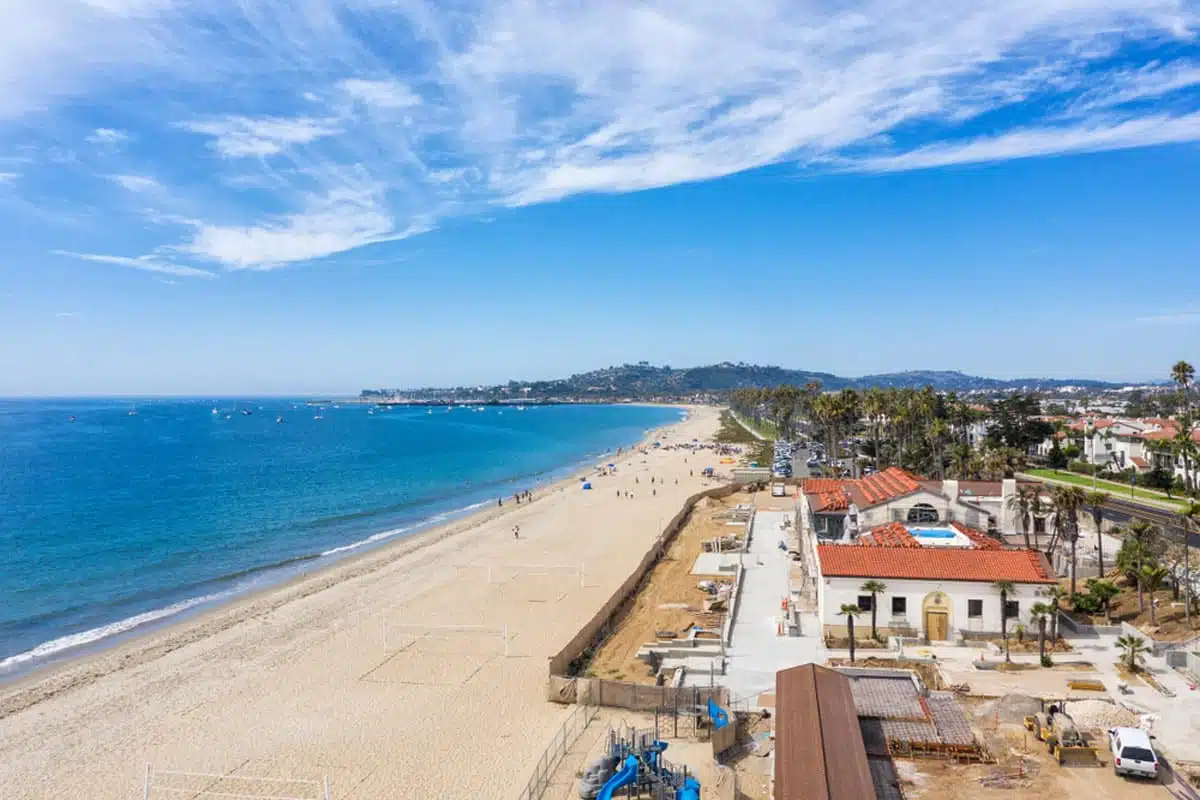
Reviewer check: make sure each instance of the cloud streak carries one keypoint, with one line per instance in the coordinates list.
(144, 263)
(318, 129)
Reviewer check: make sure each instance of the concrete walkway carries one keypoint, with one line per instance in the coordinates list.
(756, 649)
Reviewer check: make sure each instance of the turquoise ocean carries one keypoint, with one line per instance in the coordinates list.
(119, 516)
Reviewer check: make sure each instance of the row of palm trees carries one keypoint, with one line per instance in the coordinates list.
(917, 429)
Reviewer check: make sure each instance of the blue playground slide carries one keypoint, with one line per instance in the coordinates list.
(690, 790)
(626, 775)
(719, 717)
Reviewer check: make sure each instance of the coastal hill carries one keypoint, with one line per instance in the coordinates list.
(643, 380)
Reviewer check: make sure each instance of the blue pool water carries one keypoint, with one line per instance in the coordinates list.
(933, 533)
(117, 521)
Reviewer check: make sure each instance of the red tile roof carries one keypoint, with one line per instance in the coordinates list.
(883, 486)
(1138, 461)
(891, 535)
(827, 494)
(978, 538)
(930, 563)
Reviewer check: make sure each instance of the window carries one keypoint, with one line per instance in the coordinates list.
(974, 608)
(864, 602)
(899, 606)
(922, 512)
(1012, 609)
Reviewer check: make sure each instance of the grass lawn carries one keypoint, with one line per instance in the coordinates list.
(1113, 487)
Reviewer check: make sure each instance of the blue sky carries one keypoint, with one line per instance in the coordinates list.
(320, 196)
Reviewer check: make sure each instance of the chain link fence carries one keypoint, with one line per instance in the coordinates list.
(574, 726)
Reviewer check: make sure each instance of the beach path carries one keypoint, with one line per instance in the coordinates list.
(348, 672)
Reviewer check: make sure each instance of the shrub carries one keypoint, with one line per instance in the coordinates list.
(1087, 603)
(1046, 662)
(1082, 467)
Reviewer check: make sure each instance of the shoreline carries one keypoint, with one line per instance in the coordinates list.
(145, 643)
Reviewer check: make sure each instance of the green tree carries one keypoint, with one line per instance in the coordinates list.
(1183, 375)
(1095, 502)
(1039, 614)
(1104, 591)
(874, 588)
(850, 611)
(1141, 546)
(1134, 648)
(1005, 588)
(1152, 578)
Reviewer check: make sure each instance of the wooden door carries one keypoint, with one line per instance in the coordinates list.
(937, 626)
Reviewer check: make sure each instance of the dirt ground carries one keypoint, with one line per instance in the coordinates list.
(670, 599)
(1170, 626)
(1024, 768)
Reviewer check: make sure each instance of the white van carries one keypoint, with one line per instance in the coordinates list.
(1132, 753)
(778, 490)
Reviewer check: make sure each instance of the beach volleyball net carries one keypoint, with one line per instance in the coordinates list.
(502, 573)
(164, 783)
(450, 639)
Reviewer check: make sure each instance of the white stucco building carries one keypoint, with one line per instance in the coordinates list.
(839, 510)
(940, 582)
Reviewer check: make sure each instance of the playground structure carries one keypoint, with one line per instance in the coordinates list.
(500, 573)
(162, 783)
(634, 763)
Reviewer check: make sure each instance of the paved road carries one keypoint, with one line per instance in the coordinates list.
(799, 463)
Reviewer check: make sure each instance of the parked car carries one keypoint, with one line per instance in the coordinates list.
(1132, 753)
(778, 490)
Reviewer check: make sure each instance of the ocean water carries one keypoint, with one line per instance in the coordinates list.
(116, 521)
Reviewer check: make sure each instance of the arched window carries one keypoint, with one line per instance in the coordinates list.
(922, 512)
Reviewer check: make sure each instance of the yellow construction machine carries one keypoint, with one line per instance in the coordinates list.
(1055, 727)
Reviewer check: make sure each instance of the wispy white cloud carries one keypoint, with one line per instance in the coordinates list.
(106, 136)
(66, 314)
(8, 177)
(240, 137)
(381, 94)
(1045, 141)
(135, 183)
(335, 124)
(144, 263)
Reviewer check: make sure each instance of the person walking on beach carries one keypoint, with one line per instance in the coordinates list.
(500, 502)
(516, 531)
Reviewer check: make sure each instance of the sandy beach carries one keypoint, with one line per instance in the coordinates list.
(319, 677)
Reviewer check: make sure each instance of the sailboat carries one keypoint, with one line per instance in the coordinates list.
(133, 411)
(279, 420)
(216, 411)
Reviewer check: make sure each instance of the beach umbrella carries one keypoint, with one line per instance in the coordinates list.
(587, 485)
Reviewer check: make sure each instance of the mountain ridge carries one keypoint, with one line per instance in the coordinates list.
(646, 380)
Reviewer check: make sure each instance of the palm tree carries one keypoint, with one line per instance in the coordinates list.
(1189, 517)
(1096, 501)
(874, 588)
(1036, 509)
(1152, 578)
(850, 611)
(1039, 613)
(1139, 537)
(874, 407)
(1068, 500)
(1055, 595)
(1022, 503)
(1134, 647)
(1104, 590)
(1004, 587)
(1184, 374)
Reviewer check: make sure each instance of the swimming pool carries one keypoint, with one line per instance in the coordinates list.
(934, 533)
